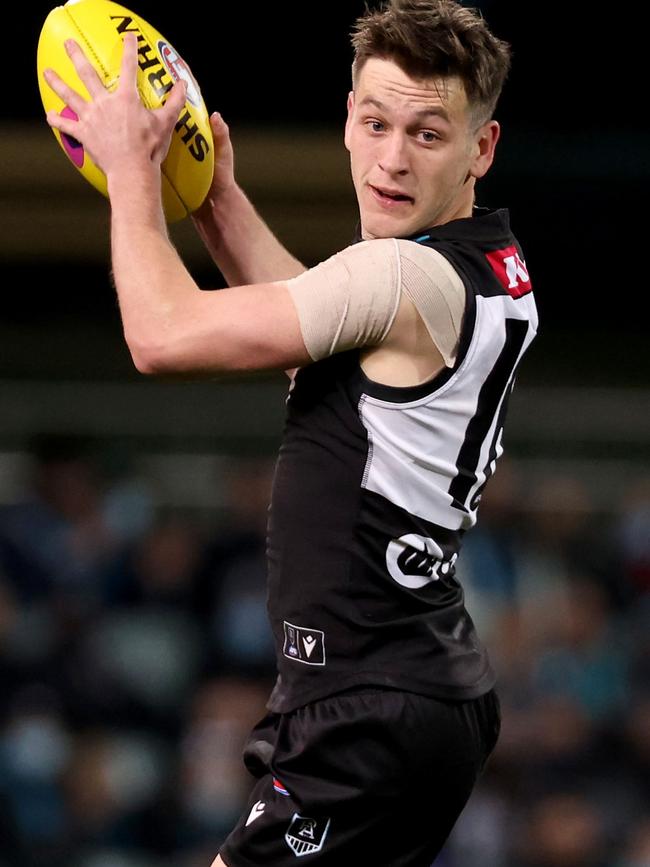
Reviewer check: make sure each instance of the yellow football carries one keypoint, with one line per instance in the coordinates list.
(99, 27)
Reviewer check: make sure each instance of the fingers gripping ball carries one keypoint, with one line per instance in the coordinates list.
(99, 27)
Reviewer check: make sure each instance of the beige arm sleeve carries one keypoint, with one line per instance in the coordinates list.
(437, 293)
(351, 299)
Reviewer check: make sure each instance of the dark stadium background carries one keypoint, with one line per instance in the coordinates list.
(572, 164)
(156, 492)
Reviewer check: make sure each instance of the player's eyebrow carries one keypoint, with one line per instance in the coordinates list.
(428, 111)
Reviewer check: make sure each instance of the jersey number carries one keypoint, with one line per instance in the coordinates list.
(492, 398)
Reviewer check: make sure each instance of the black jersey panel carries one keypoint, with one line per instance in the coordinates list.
(363, 532)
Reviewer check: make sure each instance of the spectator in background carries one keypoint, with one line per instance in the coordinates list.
(56, 542)
(562, 830)
(585, 655)
(141, 661)
(231, 591)
(636, 852)
(214, 785)
(34, 751)
(632, 538)
(490, 564)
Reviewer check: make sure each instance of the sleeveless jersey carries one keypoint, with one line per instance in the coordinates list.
(375, 487)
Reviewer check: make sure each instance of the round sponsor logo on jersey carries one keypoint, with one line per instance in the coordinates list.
(178, 70)
(412, 560)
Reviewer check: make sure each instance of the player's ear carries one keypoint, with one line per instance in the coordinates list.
(483, 147)
(348, 123)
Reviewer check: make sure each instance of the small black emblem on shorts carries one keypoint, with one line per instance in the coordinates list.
(304, 645)
(306, 835)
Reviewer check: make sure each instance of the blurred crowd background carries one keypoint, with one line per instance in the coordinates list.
(134, 648)
(135, 655)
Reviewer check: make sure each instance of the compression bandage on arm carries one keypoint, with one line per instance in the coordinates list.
(350, 300)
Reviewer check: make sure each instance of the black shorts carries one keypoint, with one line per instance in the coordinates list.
(368, 776)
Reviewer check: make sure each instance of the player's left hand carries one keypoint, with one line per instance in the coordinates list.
(115, 128)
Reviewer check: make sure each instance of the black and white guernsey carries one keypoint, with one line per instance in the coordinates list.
(375, 487)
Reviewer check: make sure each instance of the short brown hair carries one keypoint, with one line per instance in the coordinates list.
(433, 38)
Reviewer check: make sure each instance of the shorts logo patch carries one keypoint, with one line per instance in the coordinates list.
(304, 645)
(306, 836)
(256, 812)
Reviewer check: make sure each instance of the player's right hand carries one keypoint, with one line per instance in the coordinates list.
(114, 127)
(223, 178)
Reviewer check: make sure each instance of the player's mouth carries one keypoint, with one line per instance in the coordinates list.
(390, 198)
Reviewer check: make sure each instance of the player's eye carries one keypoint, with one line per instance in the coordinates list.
(429, 136)
(375, 125)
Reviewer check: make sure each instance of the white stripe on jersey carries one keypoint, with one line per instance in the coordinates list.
(414, 446)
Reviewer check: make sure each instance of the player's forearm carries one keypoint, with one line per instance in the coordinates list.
(155, 290)
(240, 242)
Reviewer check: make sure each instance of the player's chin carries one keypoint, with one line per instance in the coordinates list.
(388, 226)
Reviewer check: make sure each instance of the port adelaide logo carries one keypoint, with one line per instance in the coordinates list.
(306, 836)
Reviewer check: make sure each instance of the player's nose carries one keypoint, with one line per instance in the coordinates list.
(393, 156)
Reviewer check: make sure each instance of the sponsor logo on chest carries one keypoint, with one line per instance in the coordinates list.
(511, 271)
